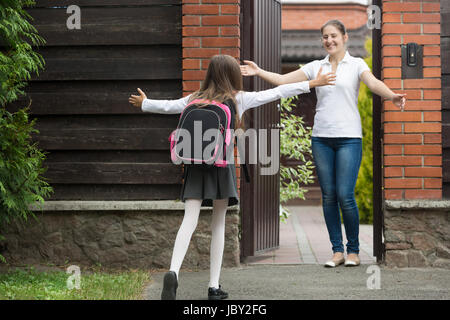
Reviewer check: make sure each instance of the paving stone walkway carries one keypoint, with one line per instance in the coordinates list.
(304, 240)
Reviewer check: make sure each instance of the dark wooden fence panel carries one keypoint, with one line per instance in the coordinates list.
(104, 3)
(105, 139)
(93, 97)
(115, 192)
(110, 63)
(99, 146)
(261, 32)
(113, 173)
(445, 57)
(101, 25)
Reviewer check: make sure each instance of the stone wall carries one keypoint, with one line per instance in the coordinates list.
(134, 235)
(417, 233)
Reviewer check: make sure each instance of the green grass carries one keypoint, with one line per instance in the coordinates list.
(30, 284)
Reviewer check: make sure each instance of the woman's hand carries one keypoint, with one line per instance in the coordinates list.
(327, 79)
(250, 68)
(399, 100)
(378, 87)
(137, 100)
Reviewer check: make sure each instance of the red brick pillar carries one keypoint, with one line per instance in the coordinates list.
(210, 27)
(413, 138)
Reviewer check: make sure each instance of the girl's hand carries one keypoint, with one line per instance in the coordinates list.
(328, 79)
(250, 68)
(137, 100)
(399, 100)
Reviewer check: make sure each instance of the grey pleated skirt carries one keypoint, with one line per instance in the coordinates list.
(210, 183)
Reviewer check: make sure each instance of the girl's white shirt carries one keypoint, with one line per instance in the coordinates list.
(337, 112)
(245, 100)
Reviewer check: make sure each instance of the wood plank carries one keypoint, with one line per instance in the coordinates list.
(92, 97)
(104, 139)
(446, 135)
(446, 117)
(115, 192)
(98, 3)
(445, 54)
(113, 173)
(445, 18)
(446, 153)
(446, 170)
(129, 156)
(445, 47)
(110, 63)
(445, 91)
(143, 121)
(154, 25)
(446, 190)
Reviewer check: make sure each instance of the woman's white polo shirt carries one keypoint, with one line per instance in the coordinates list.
(337, 112)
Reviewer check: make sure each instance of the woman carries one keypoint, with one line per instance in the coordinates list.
(337, 133)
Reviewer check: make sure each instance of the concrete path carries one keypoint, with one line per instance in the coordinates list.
(299, 282)
(304, 239)
(295, 271)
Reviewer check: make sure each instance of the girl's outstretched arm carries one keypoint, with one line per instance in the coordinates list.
(248, 100)
(158, 106)
(379, 88)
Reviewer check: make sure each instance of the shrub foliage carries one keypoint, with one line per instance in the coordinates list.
(21, 161)
(364, 185)
(295, 143)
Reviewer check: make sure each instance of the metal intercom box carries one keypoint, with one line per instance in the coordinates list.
(412, 61)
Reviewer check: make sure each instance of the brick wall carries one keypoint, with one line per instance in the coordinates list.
(413, 138)
(210, 27)
(312, 17)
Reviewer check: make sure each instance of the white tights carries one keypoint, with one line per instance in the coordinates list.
(187, 228)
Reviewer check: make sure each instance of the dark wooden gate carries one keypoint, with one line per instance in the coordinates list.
(377, 143)
(260, 199)
(100, 147)
(445, 56)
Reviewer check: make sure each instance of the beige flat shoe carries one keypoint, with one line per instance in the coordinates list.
(334, 262)
(352, 260)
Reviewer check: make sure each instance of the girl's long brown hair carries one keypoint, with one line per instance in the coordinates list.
(222, 81)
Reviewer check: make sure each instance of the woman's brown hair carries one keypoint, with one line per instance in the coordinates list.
(335, 23)
(222, 81)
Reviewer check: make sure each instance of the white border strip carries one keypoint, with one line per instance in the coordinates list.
(306, 252)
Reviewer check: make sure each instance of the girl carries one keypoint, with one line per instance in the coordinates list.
(210, 185)
(337, 133)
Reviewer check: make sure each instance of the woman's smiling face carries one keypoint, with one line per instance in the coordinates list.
(333, 40)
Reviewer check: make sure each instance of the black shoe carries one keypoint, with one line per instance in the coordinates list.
(169, 291)
(217, 294)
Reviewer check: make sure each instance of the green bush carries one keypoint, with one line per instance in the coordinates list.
(364, 185)
(295, 143)
(21, 161)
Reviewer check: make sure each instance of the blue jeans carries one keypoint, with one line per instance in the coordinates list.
(337, 164)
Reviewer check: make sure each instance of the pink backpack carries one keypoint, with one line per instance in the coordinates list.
(202, 135)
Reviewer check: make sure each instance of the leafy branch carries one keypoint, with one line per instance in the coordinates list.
(295, 143)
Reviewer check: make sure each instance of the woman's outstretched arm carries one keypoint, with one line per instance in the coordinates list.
(379, 88)
(248, 100)
(251, 69)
